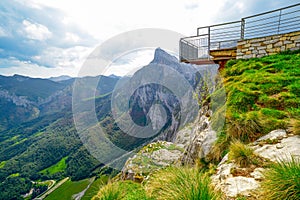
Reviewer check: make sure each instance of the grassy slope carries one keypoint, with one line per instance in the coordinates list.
(263, 94)
(94, 188)
(58, 167)
(69, 188)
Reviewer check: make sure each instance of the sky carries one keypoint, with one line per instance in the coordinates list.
(47, 38)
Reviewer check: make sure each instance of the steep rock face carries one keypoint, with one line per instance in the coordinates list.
(147, 95)
(283, 148)
(197, 138)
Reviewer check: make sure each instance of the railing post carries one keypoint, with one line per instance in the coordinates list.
(279, 21)
(208, 43)
(242, 29)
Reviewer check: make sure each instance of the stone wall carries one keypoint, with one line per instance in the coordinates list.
(269, 45)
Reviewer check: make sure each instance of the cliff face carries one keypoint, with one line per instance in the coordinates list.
(194, 134)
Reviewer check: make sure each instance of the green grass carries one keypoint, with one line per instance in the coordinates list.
(14, 175)
(58, 167)
(95, 187)
(125, 190)
(262, 94)
(180, 183)
(241, 154)
(282, 181)
(66, 190)
(2, 164)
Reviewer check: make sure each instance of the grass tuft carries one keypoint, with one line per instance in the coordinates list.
(180, 184)
(241, 154)
(121, 190)
(294, 126)
(282, 181)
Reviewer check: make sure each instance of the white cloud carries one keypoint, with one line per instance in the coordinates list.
(27, 68)
(71, 37)
(2, 32)
(136, 61)
(36, 31)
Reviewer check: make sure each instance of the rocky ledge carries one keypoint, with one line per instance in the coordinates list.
(235, 181)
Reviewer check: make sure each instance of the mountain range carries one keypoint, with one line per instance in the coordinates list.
(38, 130)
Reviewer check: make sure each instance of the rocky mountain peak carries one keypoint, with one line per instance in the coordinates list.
(162, 57)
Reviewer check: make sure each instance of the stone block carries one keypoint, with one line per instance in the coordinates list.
(255, 44)
(247, 56)
(289, 46)
(276, 49)
(277, 36)
(240, 43)
(287, 42)
(282, 48)
(239, 57)
(244, 50)
(255, 52)
(271, 41)
(283, 38)
(295, 37)
(269, 38)
(248, 52)
(272, 54)
(262, 47)
(295, 48)
(251, 48)
(246, 45)
(261, 55)
(278, 44)
(257, 40)
(239, 54)
(270, 46)
(262, 51)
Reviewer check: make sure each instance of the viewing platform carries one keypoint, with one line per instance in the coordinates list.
(253, 36)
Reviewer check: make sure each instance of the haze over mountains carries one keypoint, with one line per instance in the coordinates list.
(37, 127)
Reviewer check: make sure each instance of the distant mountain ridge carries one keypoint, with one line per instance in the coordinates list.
(37, 128)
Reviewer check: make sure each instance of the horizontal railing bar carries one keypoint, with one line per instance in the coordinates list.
(249, 32)
(283, 31)
(259, 26)
(287, 20)
(226, 28)
(191, 44)
(264, 13)
(288, 25)
(290, 12)
(225, 41)
(225, 36)
(262, 19)
(215, 25)
(227, 31)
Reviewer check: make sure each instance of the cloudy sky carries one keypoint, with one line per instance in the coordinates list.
(44, 38)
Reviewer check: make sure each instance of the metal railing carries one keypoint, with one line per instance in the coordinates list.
(226, 35)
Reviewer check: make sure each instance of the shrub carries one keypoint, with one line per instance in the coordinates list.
(241, 154)
(180, 183)
(282, 181)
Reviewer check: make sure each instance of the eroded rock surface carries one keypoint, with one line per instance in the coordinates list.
(275, 146)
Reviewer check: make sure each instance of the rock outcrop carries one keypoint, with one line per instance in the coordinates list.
(197, 138)
(275, 146)
(152, 157)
